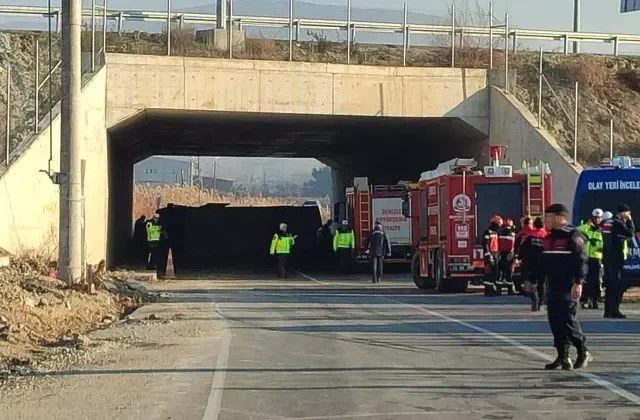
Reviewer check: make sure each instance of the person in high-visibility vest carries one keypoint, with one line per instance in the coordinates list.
(594, 244)
(344, 242)
(154, 233)
(281, 245)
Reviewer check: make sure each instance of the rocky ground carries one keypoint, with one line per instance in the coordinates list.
(43, 322)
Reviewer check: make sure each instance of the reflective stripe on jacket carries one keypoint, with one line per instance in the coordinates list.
(281, 244)
(594, 242)
(153, 231)
(344, 239)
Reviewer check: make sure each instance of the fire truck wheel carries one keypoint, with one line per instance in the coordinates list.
(438, 272)
(421, 282)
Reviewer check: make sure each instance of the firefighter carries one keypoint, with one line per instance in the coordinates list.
(530, 252)
(593, 241)
(526, 223)
(154, 233)
(378, 246)
(343, 243)
(281, 247)
(506, 242)
(491, 254)
(615, 233)
(564, 265)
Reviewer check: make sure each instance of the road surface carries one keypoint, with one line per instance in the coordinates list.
(323, 348)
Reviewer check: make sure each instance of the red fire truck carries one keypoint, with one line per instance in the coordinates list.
(367, 203)
(455, 205)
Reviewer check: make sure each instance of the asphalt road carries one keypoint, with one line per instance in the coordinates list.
(318, 347)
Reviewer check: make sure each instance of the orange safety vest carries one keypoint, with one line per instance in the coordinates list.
(506, 240)
(491, 238)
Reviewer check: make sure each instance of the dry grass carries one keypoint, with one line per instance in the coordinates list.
(145, 196)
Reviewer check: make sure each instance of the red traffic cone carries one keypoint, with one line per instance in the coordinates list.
(170, 272)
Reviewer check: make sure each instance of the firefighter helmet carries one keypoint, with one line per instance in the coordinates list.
(509, 222)
(496, 219)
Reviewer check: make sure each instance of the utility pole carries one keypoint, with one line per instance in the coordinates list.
(576, 23)
(221, 14)
(70, 236)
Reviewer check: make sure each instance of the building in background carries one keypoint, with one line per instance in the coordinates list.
(157, 171)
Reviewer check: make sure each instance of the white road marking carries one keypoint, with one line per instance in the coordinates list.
(219, 377)
(522, 347)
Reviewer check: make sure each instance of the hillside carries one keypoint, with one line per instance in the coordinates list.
(610, 86)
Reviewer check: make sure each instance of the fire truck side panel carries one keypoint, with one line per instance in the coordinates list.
(461, 226)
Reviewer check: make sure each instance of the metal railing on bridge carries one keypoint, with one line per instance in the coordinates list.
(509, 37)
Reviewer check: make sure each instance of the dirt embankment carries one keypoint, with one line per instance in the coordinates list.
(43, 321)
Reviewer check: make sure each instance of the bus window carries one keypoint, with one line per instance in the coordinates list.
(607, 201)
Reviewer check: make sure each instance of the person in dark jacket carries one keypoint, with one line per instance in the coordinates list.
(615, 233)
(530, 253)
(140, 239)
(378, 246)
(564, 264)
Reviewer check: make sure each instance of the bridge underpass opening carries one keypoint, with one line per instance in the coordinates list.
(384, 149)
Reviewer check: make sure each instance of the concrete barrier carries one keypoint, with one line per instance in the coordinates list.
(513, 125)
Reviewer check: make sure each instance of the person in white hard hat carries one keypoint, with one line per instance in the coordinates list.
(593, 244)
(281, 245)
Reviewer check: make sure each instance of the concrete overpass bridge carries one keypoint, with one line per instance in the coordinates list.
(387, 123)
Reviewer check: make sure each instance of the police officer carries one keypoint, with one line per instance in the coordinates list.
(281, 247)
(154, 233)
(377, 247)
(343, 243)
(491, 255)
(615, 233)
(593, 240)
(564, 266)
(506, 243)
(531, 268)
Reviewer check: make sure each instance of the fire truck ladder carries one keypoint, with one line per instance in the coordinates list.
(535, 188)
(364, 204)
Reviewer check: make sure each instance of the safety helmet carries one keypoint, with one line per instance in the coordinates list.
(496, 219)
(345, 223)
(509, 222)
(607, 215)
(597, 213)
(283, 226)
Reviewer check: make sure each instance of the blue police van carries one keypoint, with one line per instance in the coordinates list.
(615, 182)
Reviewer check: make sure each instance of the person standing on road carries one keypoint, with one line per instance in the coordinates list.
(378, 246)
(491, 254)
(531, 269)
(154, 233)
(615, 233)
(344, 243)
(506, 242)
(564, 264)
(593, 240)
(281, 247)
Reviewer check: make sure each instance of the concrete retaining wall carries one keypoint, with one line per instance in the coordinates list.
(512, 124)
(136, 82)
(29, 210)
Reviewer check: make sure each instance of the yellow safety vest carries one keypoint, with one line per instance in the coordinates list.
(594, 240)
(153, 232)
(343, 239)
(282, 244)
